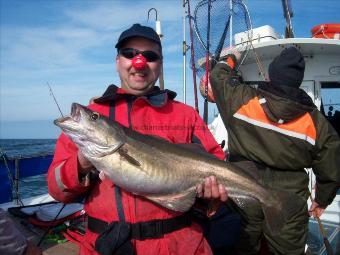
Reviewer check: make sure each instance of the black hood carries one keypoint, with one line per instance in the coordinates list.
(287, 69)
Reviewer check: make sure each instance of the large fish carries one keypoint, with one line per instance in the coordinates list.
(166, 173)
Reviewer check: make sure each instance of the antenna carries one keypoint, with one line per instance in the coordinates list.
(55, 100)
(159, 32)
(158, 23)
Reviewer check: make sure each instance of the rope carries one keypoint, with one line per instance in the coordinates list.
(259, 63)
(323, 33)
(257, 58)
(318, 31)
(322, 30)
(246, 51)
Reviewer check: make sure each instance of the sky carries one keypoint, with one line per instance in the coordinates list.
(70, 45)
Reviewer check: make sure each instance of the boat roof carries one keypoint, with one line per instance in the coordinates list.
(308, 46)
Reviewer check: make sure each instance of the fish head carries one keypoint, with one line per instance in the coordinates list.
(95, 135)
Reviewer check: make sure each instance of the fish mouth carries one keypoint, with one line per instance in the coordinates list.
(69, 122)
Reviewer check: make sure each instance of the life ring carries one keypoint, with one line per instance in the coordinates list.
(327, 36)
(326, 31)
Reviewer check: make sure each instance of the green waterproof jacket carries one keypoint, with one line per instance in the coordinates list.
(285, 134)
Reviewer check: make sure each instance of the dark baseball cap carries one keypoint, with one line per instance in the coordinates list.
(138, 30)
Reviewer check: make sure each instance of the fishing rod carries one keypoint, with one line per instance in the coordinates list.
(63, 204)
(55, 100)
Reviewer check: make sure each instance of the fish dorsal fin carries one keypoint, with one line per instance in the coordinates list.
(248, 168)
(180, 202)
(125, 154)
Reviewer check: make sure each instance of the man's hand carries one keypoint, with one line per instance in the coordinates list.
(84, 166)
(212, 190)
(230, 51)
(316, 210)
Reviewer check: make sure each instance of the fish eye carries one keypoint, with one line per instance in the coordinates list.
(95, 116)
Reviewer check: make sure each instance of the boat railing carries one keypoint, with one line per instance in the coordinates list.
(14, 168)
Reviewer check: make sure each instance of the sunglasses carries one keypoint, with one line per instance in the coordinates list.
(130, 53)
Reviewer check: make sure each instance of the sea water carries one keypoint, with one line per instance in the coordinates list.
(34, 185)
(26, 147)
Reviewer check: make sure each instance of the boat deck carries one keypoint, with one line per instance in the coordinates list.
(34, 234)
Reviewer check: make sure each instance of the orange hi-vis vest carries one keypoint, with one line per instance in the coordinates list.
(302, 128)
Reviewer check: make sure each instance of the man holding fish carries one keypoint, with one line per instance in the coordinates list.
(121, 222)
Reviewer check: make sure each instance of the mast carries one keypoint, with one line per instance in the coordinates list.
(184, 54)
(288, 14)
(231, 23)
(192, 56)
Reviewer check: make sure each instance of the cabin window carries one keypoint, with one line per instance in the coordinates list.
(330, 102)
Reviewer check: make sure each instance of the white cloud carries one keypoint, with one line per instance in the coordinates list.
(46, 47)
(118, 15)
(177, 48)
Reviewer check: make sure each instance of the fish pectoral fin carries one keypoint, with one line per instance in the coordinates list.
(245, 202)
(117, 147)
(180, 202)
(124, 153)
(273, 212)
(249, 168)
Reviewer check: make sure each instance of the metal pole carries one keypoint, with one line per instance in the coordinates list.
(231, 23)
(184, 56)
(192, 57)
(16, 180)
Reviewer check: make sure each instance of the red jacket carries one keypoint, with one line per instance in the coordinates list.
(156, 114)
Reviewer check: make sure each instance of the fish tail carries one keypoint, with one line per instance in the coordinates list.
(280, 207)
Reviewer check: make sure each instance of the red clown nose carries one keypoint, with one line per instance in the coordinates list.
(139, 62)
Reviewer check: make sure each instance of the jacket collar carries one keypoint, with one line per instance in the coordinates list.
(155, 97)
